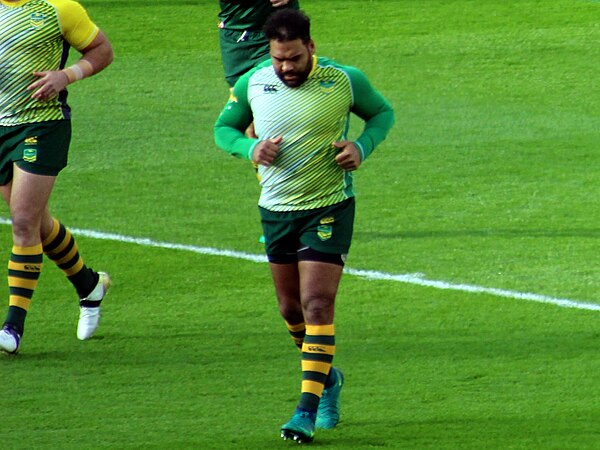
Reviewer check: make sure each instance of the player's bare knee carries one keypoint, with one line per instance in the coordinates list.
(318, 310)
(25, 227)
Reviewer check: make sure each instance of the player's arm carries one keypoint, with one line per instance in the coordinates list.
(374, 109)
(81, 33)
(94, 58)
(232, 122)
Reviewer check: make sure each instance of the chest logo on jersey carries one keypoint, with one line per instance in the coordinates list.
(37, 20)
(270, 88)
(327, 86)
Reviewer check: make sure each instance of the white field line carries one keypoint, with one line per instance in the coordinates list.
(410, 278)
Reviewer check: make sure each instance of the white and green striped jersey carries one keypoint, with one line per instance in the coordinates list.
(35, 36)
(310, 118)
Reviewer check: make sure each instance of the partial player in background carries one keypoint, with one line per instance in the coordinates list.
(242, 41)
(35, 133)
(307, 199)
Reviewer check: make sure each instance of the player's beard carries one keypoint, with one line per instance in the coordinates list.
(296, 78)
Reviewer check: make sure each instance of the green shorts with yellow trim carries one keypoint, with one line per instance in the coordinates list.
(241, 51)
(41, 148)
(327, 230)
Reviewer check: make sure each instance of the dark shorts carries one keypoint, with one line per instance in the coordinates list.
(241, 52)
(326, 230)
(40, 148)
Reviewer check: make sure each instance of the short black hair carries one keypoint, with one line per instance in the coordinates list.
(287, 25)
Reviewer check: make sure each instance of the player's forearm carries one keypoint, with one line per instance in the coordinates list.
(233, 141)
(95, 57)
(375, 131)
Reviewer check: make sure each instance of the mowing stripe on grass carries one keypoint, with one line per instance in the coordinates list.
(411, 278)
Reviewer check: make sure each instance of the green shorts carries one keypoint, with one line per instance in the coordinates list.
(41, 148)
(241, 51)
(325, 230)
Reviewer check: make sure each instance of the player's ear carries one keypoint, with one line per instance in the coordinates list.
(311, 47)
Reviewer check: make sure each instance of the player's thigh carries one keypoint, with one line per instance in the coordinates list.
(29, 195)
(319, 283)
(287, 289)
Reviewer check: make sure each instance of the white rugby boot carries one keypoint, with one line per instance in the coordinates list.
(89, 316)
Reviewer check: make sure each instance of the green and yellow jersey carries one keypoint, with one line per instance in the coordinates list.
(304, 175)
(248, 15)
(35, 36)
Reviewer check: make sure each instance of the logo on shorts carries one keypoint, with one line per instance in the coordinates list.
(326, 220)
(30, 155)
(37, 20)
(324, 232)
(29, 152)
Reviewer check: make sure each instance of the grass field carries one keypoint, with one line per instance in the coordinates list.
(484, 196)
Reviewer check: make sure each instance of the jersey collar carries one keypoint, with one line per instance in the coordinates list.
(315, 60)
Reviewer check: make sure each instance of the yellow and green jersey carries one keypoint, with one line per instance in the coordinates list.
(35, 36)
(304, 175)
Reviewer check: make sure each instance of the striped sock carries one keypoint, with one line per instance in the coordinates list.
(318, 350)
(297, 333)
(60, 247)
(24, 268)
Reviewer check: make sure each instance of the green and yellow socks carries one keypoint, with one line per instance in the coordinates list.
(60, 247)
(318, 349)
(297, 333)
(24, 268)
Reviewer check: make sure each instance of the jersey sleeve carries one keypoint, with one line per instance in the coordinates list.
(233, 121)
(77, 27)
(373, 108)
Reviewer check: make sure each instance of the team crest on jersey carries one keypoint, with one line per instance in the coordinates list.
(327, 86)
(324, 232)
(37, 20)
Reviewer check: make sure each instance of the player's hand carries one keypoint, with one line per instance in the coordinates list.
(348, 157)
(265, 151)
(278, 3)
(48, 85)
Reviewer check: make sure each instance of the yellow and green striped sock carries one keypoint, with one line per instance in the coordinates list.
(318, 350)
(24, 268)
(61, 248)
(297, 332)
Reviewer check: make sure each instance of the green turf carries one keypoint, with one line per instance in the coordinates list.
(490, 178)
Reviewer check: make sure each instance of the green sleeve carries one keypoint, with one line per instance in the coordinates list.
(373, 108)
(233, 121)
